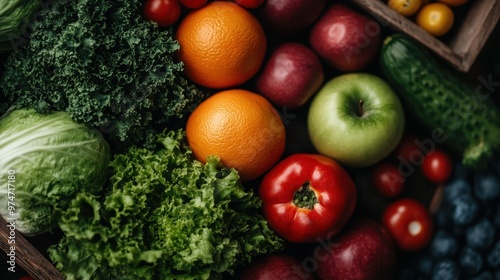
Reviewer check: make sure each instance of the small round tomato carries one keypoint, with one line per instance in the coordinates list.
(409, 224)
(387, 180)
(26, 277)
(435, 18)
(193, 4)
(163, 12)
(454, 3)
(249, 4)
(437, 166)
(405, 7)
(407, 148)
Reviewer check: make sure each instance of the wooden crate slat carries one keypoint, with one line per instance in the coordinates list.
(27, 256)
(475, 29)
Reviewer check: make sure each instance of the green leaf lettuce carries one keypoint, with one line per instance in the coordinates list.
(167, 216)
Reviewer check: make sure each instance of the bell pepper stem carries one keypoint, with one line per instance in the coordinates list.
(305, 197)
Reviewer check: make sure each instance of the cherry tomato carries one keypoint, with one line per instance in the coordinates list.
(26, 277)
(409, 224)
(249, 4)
(387, 180)
(435, 18)
(454, 3)
(193, 4)
(163, 12)
(437, 167)
(407, 149)
(405, 7)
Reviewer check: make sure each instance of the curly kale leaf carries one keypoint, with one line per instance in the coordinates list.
(166, 216)
(104, 64)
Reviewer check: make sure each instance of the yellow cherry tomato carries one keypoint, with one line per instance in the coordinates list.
(435, 18)
(453, 3)
(405, 7)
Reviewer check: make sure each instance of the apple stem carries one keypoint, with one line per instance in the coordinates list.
(360, 108)
(305, 197)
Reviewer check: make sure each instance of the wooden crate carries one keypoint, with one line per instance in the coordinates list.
(470, 32)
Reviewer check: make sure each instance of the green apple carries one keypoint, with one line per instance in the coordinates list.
(356, 119)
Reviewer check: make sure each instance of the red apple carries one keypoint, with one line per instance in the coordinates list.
(291, 76)
(346, 39)
(289, 16)
(276, 267)
(363, 251)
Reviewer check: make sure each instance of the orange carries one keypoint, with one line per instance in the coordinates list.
(435, 18)
(405, 7)
(222, 45)
(239, 126)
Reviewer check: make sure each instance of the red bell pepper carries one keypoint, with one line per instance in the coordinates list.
(307, 197)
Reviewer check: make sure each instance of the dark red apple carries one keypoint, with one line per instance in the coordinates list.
(289, 16)
(346, 39)
(291, 76)
(363, 251)
(276, 267)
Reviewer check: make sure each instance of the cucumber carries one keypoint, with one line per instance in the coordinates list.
(439, 99)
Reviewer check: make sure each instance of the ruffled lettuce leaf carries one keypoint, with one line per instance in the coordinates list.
(166, 216)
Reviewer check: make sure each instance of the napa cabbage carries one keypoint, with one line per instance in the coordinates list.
(15, 17)
(45, 161)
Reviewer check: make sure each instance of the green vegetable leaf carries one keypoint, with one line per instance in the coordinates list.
(104, 64)
(166, 216)
(15, 16)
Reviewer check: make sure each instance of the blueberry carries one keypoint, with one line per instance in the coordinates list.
(485, 275)
(446, 269)
(443, 245)
(470, 261)
(487, 186)
(481, 235)
(455, 188)
(464, 210)
(494, 256)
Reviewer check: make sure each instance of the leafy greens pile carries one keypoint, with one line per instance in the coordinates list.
(166, 216)
(104, 64)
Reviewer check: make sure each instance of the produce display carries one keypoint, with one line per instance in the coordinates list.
(242, 139)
